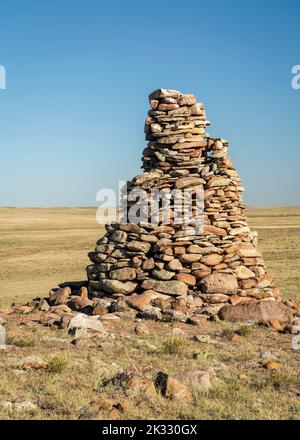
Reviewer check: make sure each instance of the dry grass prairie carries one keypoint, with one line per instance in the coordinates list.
(41, 247)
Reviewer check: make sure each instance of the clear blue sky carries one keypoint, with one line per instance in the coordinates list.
(78, 76)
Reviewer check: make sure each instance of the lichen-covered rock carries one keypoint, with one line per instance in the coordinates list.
(220, 283)
(263, 311)
(115, 286)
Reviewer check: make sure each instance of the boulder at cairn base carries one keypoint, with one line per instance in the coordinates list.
(205, 263)
(263, 311)
(220, 283)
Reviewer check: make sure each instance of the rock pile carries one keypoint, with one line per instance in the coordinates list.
(180, 261)
(168, 270)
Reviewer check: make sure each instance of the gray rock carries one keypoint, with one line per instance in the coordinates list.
(198, 380)
(295, 329)
(2, 335)
(162, 274)
(265, 357)
(124, 274)
(115, 286)
(174, 288)
(175, 315)
(138, 246)
(187, 100)
(84, 322)
(151, 313)
(25, 405)
(141, 329)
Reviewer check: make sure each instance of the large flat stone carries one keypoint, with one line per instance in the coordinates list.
(81, 321)
(143, 301)
(174, 288)
(124, 274)
(115, 286)
(220, 283)
(264, 311)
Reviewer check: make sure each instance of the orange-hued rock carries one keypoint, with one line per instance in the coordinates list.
(257, 311)
(275, 324)
(188, 279)
(208, 229)
(272, 366)
(220, 283)
(236, 299)
(142, 301)
(212, 259)
(60, 296)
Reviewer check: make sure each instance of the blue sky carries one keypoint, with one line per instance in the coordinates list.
(78, 76)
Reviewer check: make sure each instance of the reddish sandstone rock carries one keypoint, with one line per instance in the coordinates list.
(134, 384)
(186, 182)
(243, 273)
(186, 278)
(79, 303)
(143, 301)
(189, 258)
(103, 408)
(214, 298)
(209, 229)
(83, 292)
(138, 246)
(149, 264)
(219, 283)
(236, 299)
(247, 284)
(61, 296)
(174, 264)
(211, 260)
(172, 389)
(257, 311)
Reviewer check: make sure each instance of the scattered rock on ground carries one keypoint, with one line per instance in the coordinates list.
(172, 389)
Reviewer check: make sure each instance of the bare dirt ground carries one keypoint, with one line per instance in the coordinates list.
(40, 248)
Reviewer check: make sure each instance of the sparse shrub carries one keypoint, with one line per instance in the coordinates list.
(21, 341)
(243, 330)
(281, 380)
(57, 364)
(227, 332)
(174, 345)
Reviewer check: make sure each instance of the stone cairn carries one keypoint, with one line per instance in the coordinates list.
(172, 271)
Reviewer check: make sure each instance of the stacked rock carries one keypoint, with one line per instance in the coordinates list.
(165, 268)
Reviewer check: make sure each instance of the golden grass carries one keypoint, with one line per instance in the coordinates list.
(42, 247)
(241, 389)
